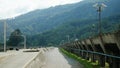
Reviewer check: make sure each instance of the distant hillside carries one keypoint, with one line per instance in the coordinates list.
(43, 20)
(76, 29)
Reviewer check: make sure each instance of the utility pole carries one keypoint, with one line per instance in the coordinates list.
(24, 42)
(5, 36)
(99, 8)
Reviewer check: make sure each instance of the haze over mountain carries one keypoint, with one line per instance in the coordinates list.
(40, 21)
(13, 8)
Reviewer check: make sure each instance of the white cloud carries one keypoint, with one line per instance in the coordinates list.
(11, 8)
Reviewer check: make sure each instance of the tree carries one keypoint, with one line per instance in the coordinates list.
(15, 38)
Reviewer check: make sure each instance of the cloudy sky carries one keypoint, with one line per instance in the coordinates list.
(12, 8)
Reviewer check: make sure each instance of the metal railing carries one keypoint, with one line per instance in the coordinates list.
(98, 53)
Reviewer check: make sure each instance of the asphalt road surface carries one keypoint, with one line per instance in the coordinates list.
(55, 59)
(49, 58)
(15, 59)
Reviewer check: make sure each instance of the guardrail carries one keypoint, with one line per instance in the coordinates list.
(103, 58)
(112, 56)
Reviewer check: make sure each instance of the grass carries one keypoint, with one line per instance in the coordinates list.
(84, 62)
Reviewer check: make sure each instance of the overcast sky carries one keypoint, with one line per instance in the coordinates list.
(12, 8)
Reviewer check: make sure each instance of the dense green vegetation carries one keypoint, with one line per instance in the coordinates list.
(15, 38)
(51, 26)
(42, 20)
(75, 29)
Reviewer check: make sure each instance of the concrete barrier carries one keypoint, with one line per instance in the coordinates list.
(36, 62)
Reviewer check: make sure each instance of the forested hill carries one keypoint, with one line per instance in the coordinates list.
(76, 29)
(75, 18)
(42, 20)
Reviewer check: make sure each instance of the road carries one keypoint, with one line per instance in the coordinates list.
(55, 59)
(48, 58)
(15, 59)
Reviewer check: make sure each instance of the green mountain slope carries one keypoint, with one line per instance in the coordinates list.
(43, 20)
(76, 29)
(46, 19)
